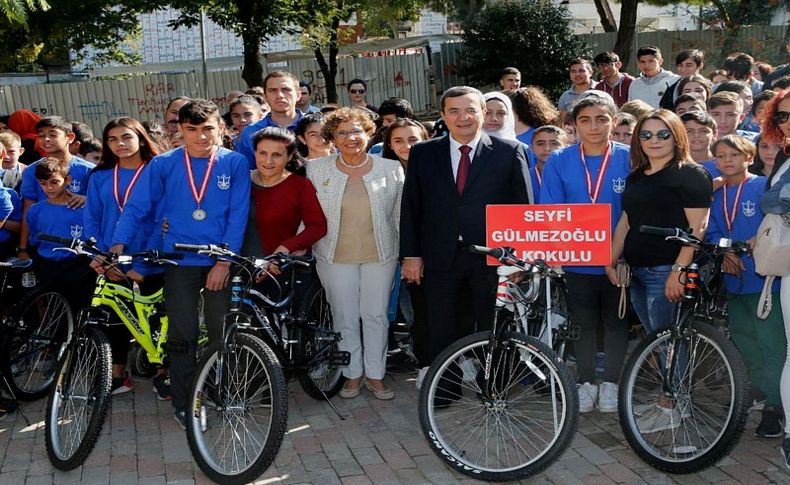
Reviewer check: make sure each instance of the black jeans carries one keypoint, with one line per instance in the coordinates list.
(594, 299)
(182, 294)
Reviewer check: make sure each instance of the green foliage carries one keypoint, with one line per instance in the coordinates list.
(533, 36)
(16, 11)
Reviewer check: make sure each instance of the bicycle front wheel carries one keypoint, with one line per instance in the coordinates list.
(238, 411)
(688, 422)
(79, 400)
(38, 327)
(323, 378)
(523, 426)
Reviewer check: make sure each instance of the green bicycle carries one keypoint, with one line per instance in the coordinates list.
(78, 403)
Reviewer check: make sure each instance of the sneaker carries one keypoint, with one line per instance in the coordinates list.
(785, 452)
(771, 425)
(588, 396)
(162, 387)
(421, 377)
(607, 398)
(181, 418)
(658, 419)
(757, 400)
(121, 385)
(401, 362)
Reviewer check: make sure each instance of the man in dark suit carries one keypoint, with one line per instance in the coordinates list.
(449, 182)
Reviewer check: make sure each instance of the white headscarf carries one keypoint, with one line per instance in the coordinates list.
(508, 130)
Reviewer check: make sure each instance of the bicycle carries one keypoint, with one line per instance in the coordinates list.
(78, 403)
(297, 343)
(500, 405)
(683, 399)
(33, 332)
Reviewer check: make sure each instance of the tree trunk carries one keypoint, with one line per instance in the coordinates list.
(623, 46)
(329, 69)
(605, 13)
(252, 72)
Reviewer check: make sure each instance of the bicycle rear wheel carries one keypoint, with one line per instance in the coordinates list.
(526, 425)
(323, 377)
(39, 325)
(238, 411)
(702, 418)
(79, 400)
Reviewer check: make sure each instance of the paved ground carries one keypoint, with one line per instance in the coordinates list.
(380, 443)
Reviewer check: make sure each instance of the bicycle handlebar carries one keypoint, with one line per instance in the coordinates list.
(88, 248)
(664, 231)
(56, 239)
(222, 251)
(193, 248)
(686, 238)
(496, 253)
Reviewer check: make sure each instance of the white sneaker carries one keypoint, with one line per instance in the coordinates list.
(607, 398)
(421, 376)
(658, 419)
(588, 396)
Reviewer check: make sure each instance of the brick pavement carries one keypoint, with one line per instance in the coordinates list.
(380, 443)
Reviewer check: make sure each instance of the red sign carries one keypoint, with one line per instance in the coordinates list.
(559, 234)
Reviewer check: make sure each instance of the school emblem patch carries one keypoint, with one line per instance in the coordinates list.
(748, 208)
(618, 185)
(76, 231)
(75, 186)
(223, 182)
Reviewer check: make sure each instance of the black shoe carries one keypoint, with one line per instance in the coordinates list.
(401, 362)
(785, 451)
(771, 424)
(181, 418)
(756, 399)
(121, 385)
(162, 387)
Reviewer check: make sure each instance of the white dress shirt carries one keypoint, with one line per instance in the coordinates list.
(455, 153)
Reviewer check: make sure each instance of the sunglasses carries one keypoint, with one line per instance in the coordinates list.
(645, 135)
(356, 91)
(781, 117)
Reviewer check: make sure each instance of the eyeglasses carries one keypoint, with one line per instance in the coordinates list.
(342, 135)
(781, 117)
(356, 91)
(645, 135)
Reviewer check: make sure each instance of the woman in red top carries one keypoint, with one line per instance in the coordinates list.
(283, 201)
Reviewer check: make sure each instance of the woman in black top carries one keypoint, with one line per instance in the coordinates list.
(666, 188)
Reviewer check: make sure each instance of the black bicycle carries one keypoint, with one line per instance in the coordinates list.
(500, 405)
(684, 391)
(238, 405)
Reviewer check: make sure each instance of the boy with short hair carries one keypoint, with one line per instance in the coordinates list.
(11, 169)
(702, 131)
(82, 133)
(54, 135)
(654, 81)
(203, 191)
(581, 72)
(545, 140)
(623, 130)
(735, 214)
(510, 79)
(689, 102)
(90, 150)
(727, 109)
(688, 62)
(613, 82)
(54, 217)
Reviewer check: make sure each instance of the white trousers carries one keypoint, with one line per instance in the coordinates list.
(357, 291)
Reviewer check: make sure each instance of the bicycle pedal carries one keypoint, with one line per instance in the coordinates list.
(569, 332)
(339, 358)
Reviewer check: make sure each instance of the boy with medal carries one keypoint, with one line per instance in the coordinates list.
(203, 190)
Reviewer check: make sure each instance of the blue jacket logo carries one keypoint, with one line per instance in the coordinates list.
(76, 231)
(75, 186)
(618, 185)
(748, 208)
(223, 182)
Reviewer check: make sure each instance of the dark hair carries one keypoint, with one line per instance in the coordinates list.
(781, 83)
(723, 99)
(764, 96)
(329, 107)
(508, 71)
(589, 101)
(738, 143)
(640, 161)
(255, 91)
(769, 129)
(551, 129)
(198, 111)
(624, 119)
(177, 98)
(582, 61)
(716, 72)
(148, 148)
(458, 91)
(739, 65)
(701, 118)
(357, 81)
(301, 129)
(295, 163)
(387, 151)
(695, 78)
(305, 84)
(245, 99)
(695, 55)
(690, 97)
(89, 146)
(156, 133)
(399, 107)
(648, 50)
(57, 122)
(49, 167)
(736, 87)
(82, 132)
(764, 68)
(533, 107)
(280, 73)
(606, 57)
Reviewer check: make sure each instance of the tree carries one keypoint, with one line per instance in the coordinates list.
(16, 11)
(533, 36)
(255, 21)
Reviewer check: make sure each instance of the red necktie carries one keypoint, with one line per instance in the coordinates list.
(463, 168)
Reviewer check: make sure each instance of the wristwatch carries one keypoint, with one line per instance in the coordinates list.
(677, 267)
